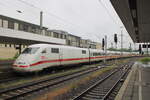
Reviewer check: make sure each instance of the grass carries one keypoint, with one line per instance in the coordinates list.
(145, 60)
(2, 59)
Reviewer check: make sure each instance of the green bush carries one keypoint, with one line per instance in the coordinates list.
(145, 60)
(16, 55)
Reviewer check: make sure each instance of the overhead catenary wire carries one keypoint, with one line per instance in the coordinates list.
(64, 21)
(49, 13)
(100, 1)
(35, 12)
(15, 8)
(60, 19)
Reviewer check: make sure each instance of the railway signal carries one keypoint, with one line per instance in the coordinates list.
(115, 40)
(140, 49)
(103, 43)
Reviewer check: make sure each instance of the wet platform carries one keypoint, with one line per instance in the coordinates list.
(137, 84)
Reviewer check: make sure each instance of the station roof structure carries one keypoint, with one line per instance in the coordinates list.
(135, 15)
(26, 38)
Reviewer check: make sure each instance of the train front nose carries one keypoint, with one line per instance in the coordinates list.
(21, 64)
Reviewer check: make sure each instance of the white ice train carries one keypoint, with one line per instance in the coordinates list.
(40, 56)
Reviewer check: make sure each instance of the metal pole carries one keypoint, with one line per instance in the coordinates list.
(105, 48)
(134, 47)
(130, 48)
(121, 41)
(41, 23)
(147, 47)
(19, 48)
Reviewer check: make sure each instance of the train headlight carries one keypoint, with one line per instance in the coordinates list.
(21, 63)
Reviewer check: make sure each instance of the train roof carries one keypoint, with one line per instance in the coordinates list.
(64, 46)
(56, 46)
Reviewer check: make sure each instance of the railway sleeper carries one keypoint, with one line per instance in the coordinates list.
(99, 88)
(85, 98)
(97, 94)
(5, 96)
(26, 89)
(20, 91)
(13, 93)
(95, 91)
(91, 98)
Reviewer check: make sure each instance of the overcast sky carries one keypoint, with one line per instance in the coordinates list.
(89, 19)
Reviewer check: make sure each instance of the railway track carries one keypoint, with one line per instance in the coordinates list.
(106, 88)
(12, 77)
(9, 77)
(22, 90)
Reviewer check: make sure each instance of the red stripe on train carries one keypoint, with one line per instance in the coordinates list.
(62, 60)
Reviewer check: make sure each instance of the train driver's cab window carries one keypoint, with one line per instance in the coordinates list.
(30, 50)
(44, 51)
(54, 50)
(83, 51)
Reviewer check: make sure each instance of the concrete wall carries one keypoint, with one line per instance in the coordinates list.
(7, 52)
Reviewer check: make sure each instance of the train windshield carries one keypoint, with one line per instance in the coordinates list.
(30, 50)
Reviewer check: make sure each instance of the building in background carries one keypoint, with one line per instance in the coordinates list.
(98, 45)
(11, 23)
(71, 40)
(19, 25)
(84, 43)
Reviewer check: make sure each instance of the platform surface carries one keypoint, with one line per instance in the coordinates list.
(137, 85)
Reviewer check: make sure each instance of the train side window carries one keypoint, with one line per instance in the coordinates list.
(83, 52)
(94, 54)
(44, 51)
(54, 50)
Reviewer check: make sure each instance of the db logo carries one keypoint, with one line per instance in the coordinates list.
(43, 57)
